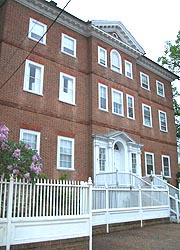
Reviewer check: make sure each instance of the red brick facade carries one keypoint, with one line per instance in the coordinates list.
(51, 117)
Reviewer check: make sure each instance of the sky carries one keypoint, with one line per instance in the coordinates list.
(152, 22)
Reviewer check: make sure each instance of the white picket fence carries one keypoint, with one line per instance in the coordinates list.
(53, 210)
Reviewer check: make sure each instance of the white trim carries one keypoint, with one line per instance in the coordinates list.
(31, 132)
(58, 152)
(144, 105)
(27, 75)
(130, 96)
(66, 96)
(32, 25)
(101, 61)
(99, 96)
(145, 75)
(126, 70)
(122, 102)
(152, 154)
(162, 84)
(116, 68)
(166, 156)
(160, 125)
(63, 37)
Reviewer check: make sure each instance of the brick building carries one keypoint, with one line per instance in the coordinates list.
(85, 96)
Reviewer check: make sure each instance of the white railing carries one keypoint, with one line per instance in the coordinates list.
(175, 208)
(120, 179)
(48, 207)
(115, 205)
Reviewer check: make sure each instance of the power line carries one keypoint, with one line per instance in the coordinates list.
(35, 45)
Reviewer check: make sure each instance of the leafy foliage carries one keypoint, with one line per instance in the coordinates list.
(17, 159)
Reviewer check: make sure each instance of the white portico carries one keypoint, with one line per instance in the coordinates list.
(116, 151)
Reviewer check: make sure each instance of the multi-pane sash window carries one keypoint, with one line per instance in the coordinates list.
(32, 138)
(102, 56)
(134, 163)
(117, 102)
(102, 159)
(103, 97)
(68, 45)
(162, 121)
(144, 81)
(160, 88)
(67, 88)
(130, 107)
(166, 166)
(147, 118)
(65, 151)
(128, 69)
(116, 63)
(149, 163)
(37, 31)
(33, 77)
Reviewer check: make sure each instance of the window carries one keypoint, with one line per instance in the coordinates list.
(30, 137)
(117, 102)
(134, 163)
(103, 97)
(65, 153)
(144, 81)
(128, 69)
(149, 163)
(162, 121)
(160, 89)
(147, 119)
(116, 63)
(130, 107)
(33, 77)
(68, 45)
(102, 159)
(37, 31)
(102, 56)
(166, 166)
(67, 88)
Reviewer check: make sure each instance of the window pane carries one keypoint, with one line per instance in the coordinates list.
(117, 103)
(65, 153)
(149, 163)
(102, 159)
(103, 96)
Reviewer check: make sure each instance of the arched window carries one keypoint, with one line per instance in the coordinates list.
(116, 63)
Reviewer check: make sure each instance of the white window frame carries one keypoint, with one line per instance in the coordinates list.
(141, 80)
(128, 69)
(133, 109)
(117, 67)
(106, 96)
(32, 26)
(153, 166)
(150, 115)
(26, 87)
(169, 166)
(102, 60)
(158, 83)
(161, 122)
(59, 153)
(104, 160)
(113, 91)
(69, 95)
(134, 163)
(31, 132)
(65, 49)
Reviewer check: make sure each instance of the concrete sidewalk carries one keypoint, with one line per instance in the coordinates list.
(164, 236)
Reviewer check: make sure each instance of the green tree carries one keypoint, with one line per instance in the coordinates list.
(171, 61)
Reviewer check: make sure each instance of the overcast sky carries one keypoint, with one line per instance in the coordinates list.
(150, 22)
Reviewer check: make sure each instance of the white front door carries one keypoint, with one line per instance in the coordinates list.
(119, 157)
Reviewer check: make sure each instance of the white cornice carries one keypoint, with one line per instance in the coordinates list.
(87, 29)
(156, 68)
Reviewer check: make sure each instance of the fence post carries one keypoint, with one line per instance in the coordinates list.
(9, 213)
(107, 209)
(90, 212)
(140, 206)
(177, 208)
